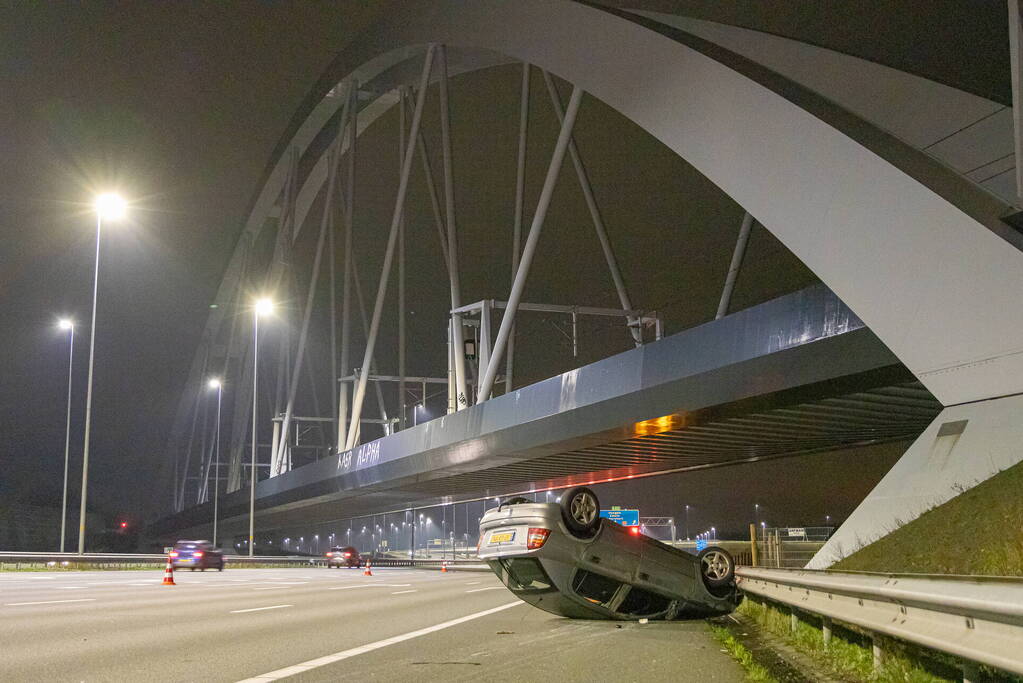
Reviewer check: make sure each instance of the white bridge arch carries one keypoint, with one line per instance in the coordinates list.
(920, 254)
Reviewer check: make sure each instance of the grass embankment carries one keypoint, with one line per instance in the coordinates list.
(849, 655)
(980, 531)
(754, 671)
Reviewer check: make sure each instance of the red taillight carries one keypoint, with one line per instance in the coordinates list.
(634, 530)
(174, 553)
(197, 554)
(348, 554)
(536, 538)
(330, 554)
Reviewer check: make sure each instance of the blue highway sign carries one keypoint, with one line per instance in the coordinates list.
(623, 517)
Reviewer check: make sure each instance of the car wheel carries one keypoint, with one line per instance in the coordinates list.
(192, 568)
(717, 567)
(221, 567)
(581, 510)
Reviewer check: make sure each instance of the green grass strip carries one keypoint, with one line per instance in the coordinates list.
(754, 672)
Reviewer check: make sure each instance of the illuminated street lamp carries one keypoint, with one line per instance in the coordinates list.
(112, 207)
(262, 307)
(215, 383)
(67, 324)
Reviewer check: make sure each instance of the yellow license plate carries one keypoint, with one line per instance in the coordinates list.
(503, 537)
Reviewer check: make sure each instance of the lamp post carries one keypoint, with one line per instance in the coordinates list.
(107, 206)
(756, 514)
(219, 386)
(687, 522)
(262, 307)
(66, 324)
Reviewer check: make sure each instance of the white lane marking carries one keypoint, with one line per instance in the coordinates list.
(286, 583)
(473, 583)
(346, 654)
(70, 588)
(48, 602)
(400, 592)
(370, 585)
(257, 609)
(272, 588)
(488, 588)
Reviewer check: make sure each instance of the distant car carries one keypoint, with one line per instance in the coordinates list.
(197, 555)
(343, 556)
(565, 559)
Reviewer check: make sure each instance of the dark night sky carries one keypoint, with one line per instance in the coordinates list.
(179, 105)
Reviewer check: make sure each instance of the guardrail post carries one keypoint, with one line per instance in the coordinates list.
(875, 646)
(826, 631)
(753, 544)
(971, 672)
(793, 620)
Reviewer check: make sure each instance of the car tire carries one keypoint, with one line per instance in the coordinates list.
(580, 511)
(221, 567)
(716, 567)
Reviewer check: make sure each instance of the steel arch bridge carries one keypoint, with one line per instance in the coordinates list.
(920, 251)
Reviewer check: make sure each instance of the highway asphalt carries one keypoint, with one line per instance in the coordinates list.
(321, 624)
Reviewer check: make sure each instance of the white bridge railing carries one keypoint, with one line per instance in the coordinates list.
(977, 619)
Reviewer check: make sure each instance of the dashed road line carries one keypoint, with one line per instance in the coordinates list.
(400, 592)
(258, 609)
(48, 602)
(346, 654)
(488, 588)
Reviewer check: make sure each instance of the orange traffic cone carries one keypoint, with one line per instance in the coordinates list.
(168, 574)
(367, 572)
(444, 566)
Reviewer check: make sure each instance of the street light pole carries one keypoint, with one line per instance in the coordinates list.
(70, 326)
(111, 206)
(263, 306)
(216, 384)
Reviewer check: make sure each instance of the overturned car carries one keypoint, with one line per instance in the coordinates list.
(565, 559)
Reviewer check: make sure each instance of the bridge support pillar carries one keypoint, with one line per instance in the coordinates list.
(964, 446)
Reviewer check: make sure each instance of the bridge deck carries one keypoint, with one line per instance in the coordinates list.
(798, 374)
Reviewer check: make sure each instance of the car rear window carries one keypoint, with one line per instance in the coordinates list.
(640, 602)
(525, 575)
(594, 587)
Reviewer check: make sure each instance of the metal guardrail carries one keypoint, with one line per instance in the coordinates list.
(105, 559)
(59, 559)
(979, 619)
